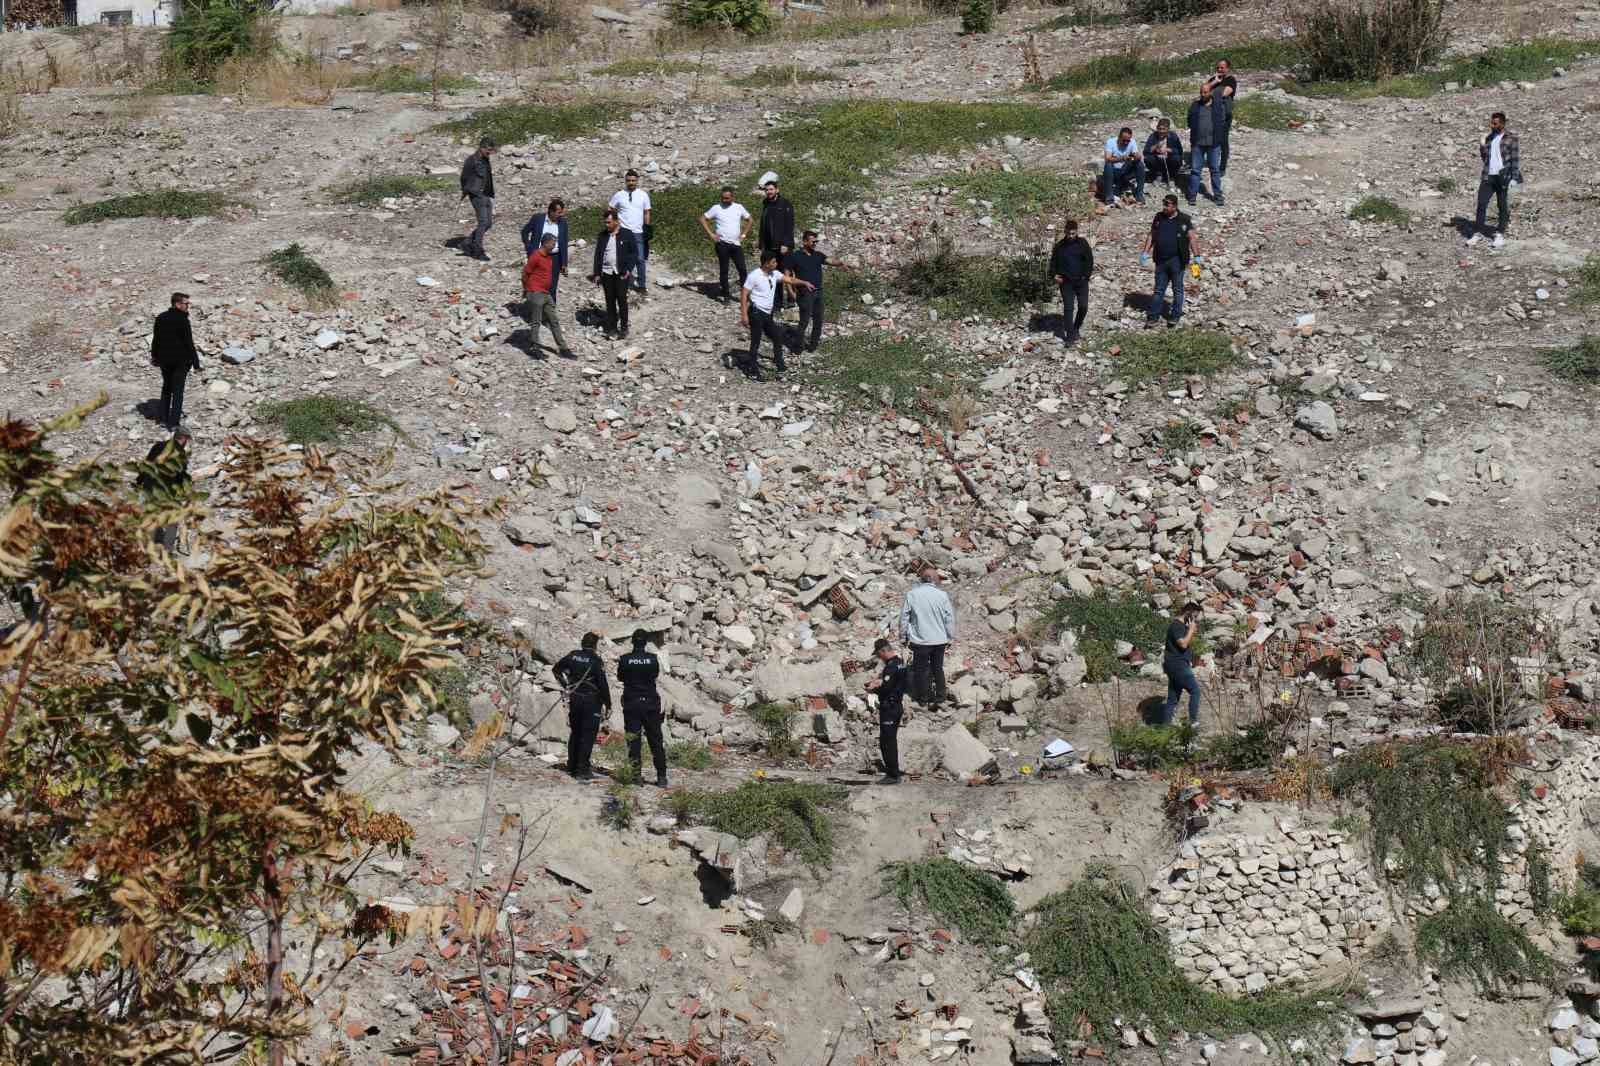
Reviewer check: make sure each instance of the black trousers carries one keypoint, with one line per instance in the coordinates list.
(728, 252)
(583, 721)
(1223, 169)
(927, 673)
(762, 324)
(1164, 168)
(810, 304)
(172, 380)
(642, 719)
(1075, 292)
(616, 291)
(1499, 187)
(889, 738)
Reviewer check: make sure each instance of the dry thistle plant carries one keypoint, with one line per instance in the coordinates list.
(170, 741)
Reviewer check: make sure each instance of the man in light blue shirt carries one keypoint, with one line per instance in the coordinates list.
(1123, 158)
(928, 624)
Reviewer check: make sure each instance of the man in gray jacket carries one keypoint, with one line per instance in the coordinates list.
(477, 185)
(928, 624)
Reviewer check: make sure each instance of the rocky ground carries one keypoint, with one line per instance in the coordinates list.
(1389, 434)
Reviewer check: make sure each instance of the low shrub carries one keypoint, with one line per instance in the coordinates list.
(373, 190)
(1171, 10)
(875, 368)
(1146, 356)
(977, 16)
(1345, 40)
(519, 123)
(1132, 69)
(1587, 291)
(837, 27)
(295, 268)
(205, 34)
(687, 755)
(776, 721)
(797, 815)
(1475, 652)
(404, 79)
(955, 894)
(749, 17)
(158, 203)
(976, 284)
(648, 68)
(1101, 621)
(1579, 362)
(1471, 940)
(1154, 747)
(1380, 209)
(1264, 113)
(781, 75)
(324, 419)
(1179, 436)
(1021, 193)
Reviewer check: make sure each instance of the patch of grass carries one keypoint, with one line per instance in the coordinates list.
(1151, 355)
(651, 68)
(295, 268)
(1132, 69)
(1540, 898)
(1471, 940)
(1230, 408)
(1154, 747)
(1026, 192)
(798, 815)
(158, 203)
(687, 755)
(177, 85)
(1380, 209)
(832, 29)
(1579, 362)
(1265, 113)
(324, 418)
(874, 368)
(1079, 18)
(1474, 652)
(777, 722)
(519, 123)
(781, 75)
(1587, 291)
(1179, 436)
(373, 190)
(976, 284)
(764, 932)
(1101, 621)
(1579, 911)
(410, 80)
(1530, 61)
(1106, 963)
(842, 291)
(956, 894)
(1445, 185)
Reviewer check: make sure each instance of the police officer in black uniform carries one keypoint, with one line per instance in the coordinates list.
(641, 704)
(583, 674)
(891, 690)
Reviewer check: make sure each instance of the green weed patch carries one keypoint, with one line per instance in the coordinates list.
(158, 203)
(798, 815)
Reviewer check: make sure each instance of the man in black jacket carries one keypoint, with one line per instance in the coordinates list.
(777, 229)
(168, 476)
(891, 690)
(172, 350)
(583, 675)
(641, 705)
(614, 261)
(477, 185)
(1163, 154)
(1072, 262)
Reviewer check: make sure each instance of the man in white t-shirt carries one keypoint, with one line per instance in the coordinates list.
(632, 205)
(756, 299)
(732, 224)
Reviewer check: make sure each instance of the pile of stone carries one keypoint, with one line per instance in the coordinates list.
(1400, 1031)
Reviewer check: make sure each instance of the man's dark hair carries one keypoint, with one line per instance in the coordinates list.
(773, 183)
(1227, 61)
(179, 296)
(879, 644)
(611, 212)
(1169, 199)
(768, 256)
(808, 233)
(1501, 115)
(631, 173)
(1071, 226)
(640, 638)
(487, 142)
(1126, 129)
(557, 202)
(725, 188)
(590, 641)
(1190, 608)
(547, 236)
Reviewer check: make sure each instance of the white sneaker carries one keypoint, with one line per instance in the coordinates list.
(1499, 240)
(1475, 238)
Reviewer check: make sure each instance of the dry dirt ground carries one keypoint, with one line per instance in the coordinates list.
(1441, 346)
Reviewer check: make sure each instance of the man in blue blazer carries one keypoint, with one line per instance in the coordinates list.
(554, 219)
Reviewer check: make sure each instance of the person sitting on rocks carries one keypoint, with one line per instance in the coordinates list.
(1123, 162)
(1163, 154)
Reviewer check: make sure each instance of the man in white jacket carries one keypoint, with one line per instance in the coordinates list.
(928, 624)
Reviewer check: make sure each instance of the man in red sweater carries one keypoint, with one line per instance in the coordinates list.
(538, 278)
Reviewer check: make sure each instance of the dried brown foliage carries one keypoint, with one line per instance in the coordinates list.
(170, 741)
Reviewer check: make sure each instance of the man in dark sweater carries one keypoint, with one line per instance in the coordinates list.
(1208, 130)
(172, 351)
(641, 705)
(1072, 262)
(805, 264)
(1177, 662)
(582, 674)
(1171, 243)
(891, 690)
(776, 233)
(477, 185)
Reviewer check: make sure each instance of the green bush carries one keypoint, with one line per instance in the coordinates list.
(1021, 193)
(403, 79)
(688, 755)
(956, 894)
(1154, 747)
(1124, 69)
(323, 419)
(749, 17)
(1471, 940)
(1171, 10)
(1473, 650)
(518, 123)
(294, 267)
(780, 76)
(1588, 287)
(653, 68)
(159, 203)
(1179, 436)
(1345, 40)
(1145, 356)
(1101, 621)
(1380, 209)
(977, 16)
(1529, 61)
(976, 284)
(374, 190)
(875, 369)
(1579, 362)
(207, 33)
(796, 814)
(777, 722)
(1264, 113)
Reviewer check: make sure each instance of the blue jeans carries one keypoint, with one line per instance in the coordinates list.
(1116, 171)
(1210, 157)
(1170, 270)
(638, 260)
(1180, 679)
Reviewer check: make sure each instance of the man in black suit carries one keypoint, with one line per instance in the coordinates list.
(172, 351)
(614, 259)
(554, 219)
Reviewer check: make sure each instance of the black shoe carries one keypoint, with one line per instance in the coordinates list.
(889, 779)
(751, 372)
(1150, 323)
(567, 353)
(811, 347)
(661, 781)
(1172, 323)
(1191, 201)
(622, 335)
(783, 368)
(1071, 338)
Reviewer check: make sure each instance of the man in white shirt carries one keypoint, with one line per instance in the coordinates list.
(1123, 157)
(732, 223)
(756, 297)
(632, 205)
(928, 624)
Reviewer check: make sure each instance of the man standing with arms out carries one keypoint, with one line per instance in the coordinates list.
(583, 675)
(1208, 128)
(1502, 168)
(641, 705)
(172, 351)
(732, 227)
(1177, 662)
(1072, 262)
(1225, 85)
(757, 300)
(632, 205)
(539, 289)
(613, 265)
(1163, 154)
(1122, 158)
(477, 185)
(805, 264)
(891, 690)
(928, 624)
(1172, 240)
(553, 221)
